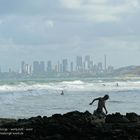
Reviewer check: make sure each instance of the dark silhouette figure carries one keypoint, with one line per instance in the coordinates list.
(101, 105)
(62, 93)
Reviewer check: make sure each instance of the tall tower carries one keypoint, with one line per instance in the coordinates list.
(49, 66)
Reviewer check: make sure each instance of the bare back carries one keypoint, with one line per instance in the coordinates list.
(101, 104)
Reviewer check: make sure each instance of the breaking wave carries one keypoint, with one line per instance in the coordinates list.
(76, 85)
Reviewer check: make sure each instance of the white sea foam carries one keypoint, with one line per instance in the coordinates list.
(10, 93)
(73, 86)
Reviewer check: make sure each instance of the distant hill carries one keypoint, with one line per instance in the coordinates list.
(127, 71)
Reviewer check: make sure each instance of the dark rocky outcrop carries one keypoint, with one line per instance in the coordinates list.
(74, 126)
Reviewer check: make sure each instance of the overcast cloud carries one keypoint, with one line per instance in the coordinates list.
(55, 29)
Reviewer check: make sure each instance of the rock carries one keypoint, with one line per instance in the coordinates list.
(132, 117)
(7, 120)
(45, 117)
(57, 116)
(55, 137)
(78, 126)
(73, 114)
(116, 118)
(87, 113)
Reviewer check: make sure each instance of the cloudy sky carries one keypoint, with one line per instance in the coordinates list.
(55, 29)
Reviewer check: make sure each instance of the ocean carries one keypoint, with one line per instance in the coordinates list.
(24, 99)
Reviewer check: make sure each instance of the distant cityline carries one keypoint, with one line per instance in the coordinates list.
(80, 65)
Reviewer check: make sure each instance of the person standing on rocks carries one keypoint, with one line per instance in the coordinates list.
(101, 105)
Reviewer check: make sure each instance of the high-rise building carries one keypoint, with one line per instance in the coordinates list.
(87, 63)
(58, 66)
(71, 67)
(49, 66)
(79, 64)
(25, 68)
(65, 65)
(87, 58)
(95, 68)
(36, 67)
(100, 68)
(110, 69)
(91, 66)
(28, 69)
(61, 68)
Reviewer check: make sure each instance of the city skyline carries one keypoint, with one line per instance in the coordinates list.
(47, 30)
(79, 64)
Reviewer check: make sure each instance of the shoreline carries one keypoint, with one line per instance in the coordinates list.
(72, 126)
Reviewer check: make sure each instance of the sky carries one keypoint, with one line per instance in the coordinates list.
(56, 29)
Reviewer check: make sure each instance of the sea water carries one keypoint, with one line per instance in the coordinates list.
(33, 98)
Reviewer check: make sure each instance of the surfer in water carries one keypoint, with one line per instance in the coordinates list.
(101, 105)
(62, 93)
